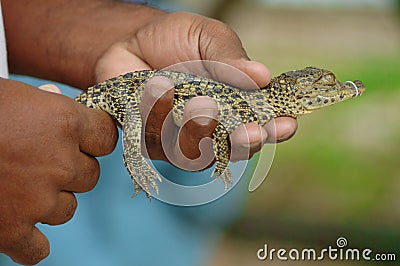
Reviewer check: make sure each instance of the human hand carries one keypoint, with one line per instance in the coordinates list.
(101, 41)
(48, 145)
(178, 37)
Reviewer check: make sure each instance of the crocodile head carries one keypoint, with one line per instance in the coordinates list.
(314, 88)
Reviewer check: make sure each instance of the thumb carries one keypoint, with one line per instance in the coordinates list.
(218, 42)
(118, 60)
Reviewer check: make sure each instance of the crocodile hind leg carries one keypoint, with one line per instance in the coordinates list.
(143, 175)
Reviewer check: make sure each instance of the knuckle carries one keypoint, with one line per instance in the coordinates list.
(202, 110)
(157, 86)
(70, 208)
(109, 134)
(68, 119)
(38, 255)
(11, 238)
(63, 211)
(202, 102)
(90, 176)
(66, 172)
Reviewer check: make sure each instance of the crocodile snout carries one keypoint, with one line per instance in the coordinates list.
(357, 86)
(360, 86)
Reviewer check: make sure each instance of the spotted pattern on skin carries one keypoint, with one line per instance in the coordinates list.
(292, 94)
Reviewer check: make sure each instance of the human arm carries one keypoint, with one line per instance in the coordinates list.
(182, 37)
(62, 41)
(83, 42)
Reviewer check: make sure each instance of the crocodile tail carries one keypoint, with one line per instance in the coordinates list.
(93, 97)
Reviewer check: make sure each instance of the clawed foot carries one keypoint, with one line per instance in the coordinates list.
(143, 176)
(225, 175)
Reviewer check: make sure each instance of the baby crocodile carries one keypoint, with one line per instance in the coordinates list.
(290, 94)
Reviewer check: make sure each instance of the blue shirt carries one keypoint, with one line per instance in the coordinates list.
(111, 228)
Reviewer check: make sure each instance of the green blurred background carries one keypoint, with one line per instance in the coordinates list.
(340, 174)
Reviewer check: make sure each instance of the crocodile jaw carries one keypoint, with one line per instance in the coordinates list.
(341, 92)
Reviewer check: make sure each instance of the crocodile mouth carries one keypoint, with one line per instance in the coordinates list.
(338, 93)
(357, 86)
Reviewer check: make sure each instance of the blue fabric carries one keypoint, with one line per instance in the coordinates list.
(111, 228)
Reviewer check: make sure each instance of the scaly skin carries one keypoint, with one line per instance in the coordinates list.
(292, 94)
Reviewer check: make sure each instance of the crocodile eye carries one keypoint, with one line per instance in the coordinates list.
(330, 77)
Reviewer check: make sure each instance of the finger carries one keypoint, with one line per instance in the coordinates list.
(281, 129)
(157, 98)
(116, 61)
(64, 209)
(246, 140)
(256, 71)
(50, 88)
(98, 132)
(30, 249)
(156, 104)
(194, 149)
(87, 174)
(220, 43)
(241, 73)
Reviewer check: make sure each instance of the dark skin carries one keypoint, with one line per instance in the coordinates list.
(49, 142)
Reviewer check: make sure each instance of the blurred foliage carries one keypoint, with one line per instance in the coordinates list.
(339, 175)
(379, 74)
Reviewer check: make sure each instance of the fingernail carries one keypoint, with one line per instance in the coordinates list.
(204, 116)
(158, 85)
(256, 144)
(157, 91)
(289, 132)
(252, 145)
(284, 137)
(50, 88)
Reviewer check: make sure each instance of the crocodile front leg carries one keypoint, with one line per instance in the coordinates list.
(221, 144)
(142, 174)
(221, 151)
